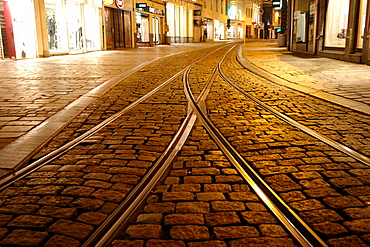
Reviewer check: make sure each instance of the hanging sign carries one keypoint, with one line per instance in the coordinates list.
(119, 3)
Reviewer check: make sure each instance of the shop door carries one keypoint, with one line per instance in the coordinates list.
(142, 28)
(312, 27)
(118, 28)
(156, 30)
(56, 20)
(119, 41)
(109, 28)
(127, 24)
(300, 25)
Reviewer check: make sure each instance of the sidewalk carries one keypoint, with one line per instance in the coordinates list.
(39, 96)
(337, 81)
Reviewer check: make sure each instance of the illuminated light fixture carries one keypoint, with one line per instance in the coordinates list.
(108, 2)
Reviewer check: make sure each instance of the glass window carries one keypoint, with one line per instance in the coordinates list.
(92, 27)
(142, 25)
(75, 27)
(336, 23)
(127, 21)
(361, 21)
(56, 25)
(24, 29)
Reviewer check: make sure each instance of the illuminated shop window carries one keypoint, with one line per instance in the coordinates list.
(24, 29)
(336, 23)
(56, 21)
(361, 21)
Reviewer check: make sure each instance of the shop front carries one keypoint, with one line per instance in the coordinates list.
(208, 29)
(150, 24)
(304, 26)
(332, 28)
(118, 29)
(235, 31)
(142, 28)
(73, 27)
(219, 30)
(185, 23)
(18, 29)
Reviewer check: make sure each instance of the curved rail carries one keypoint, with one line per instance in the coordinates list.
(296, 226)
(334, 144)
(120, 218)
(6, 181)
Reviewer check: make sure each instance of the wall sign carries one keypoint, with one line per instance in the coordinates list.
(119, 3)
(108, 2)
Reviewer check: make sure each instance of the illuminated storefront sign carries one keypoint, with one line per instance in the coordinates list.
(231, 12)
(108, 2)
(140, 5)
(145, 8)
(277, 4)
(119, 3)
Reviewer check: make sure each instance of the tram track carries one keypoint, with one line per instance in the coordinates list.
(292, 222)
(115, 168)
(306, 174)
(45, 169)
(336, 145)
(302, 233)
(325, 120)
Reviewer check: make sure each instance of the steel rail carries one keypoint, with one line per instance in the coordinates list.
(296, 226)
(121, 216)
(334, 144)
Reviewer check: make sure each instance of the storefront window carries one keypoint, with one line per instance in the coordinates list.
(336, 23)
(56, 25)
(219, 30)
(142, 26)
(92, 28)
(209, 28)
(361, 21)
(75, 29)
(24, 29)
(156, 24)
(231, 32)
(240, 32)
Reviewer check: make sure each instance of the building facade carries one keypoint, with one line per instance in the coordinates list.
(43, 28)
(331, 28)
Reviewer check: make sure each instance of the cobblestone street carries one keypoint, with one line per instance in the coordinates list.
(204, 200)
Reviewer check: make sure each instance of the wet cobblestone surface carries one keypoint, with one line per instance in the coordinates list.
(66, 200)
(330, 120)
(33, 90)
(320, 183)
(203, 201)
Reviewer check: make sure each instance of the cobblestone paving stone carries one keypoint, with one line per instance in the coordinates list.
(349, 80)
(319, 183)
(66, 200)
(204, 202)
(341, 124)
(32, 90)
